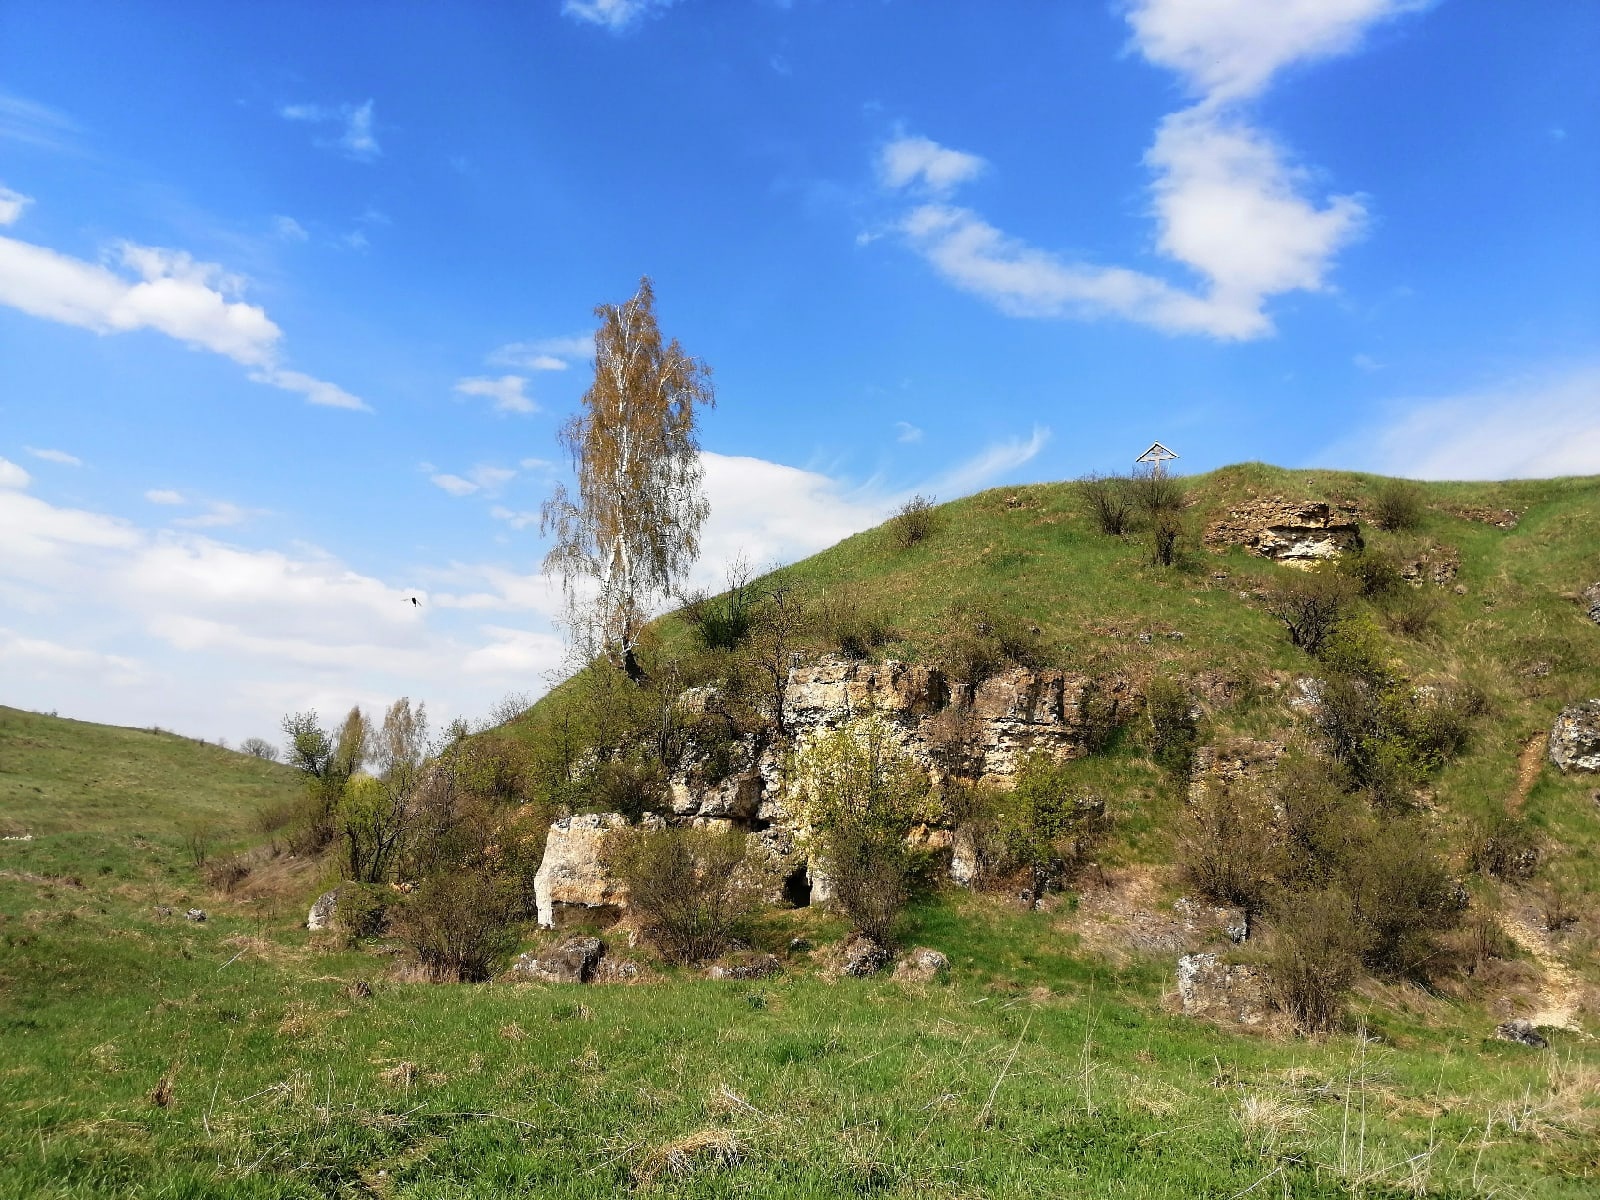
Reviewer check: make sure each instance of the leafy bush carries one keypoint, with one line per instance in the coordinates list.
(1374, 572)
(693, 890)
(1166, 534)
(1412, 612)
(1108, 500)
(1102, 712)
(372, 827)
(854, 627)
(913, 522)
(1174, 728)
(631, 785)
(722, 622)
(1048, 826)
(1404, 897)
(975, 642)
(1504, 848)
(1155, 492)
(458, 925)
(362, 910)
(1310, 605)
(1398, 504)
(1225, 849)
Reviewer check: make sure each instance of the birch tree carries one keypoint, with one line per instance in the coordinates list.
(633, 529)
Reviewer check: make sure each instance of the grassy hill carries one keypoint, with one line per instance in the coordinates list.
(145, 1055)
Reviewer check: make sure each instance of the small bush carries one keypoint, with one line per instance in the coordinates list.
(1398, 504)
(1412, 613)
(1102, 712)
(1166, 538)
(976, 642)
(1404, 899)
(1225, 850)
(1314, 958)
(1048, 826)
(631, 786)
(459, 926)
(362, 910)
(1310, 606)
(1174, 728)
(871, 877)
(1155, 493)
(913, 522)
(854, 627)
(692, 890)
(1108, 500)
(259, 748)
(722, 622)
(198, 841)
(225, 874)
(1374, 572)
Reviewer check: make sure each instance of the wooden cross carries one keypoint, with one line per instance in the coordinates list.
(1158, 456)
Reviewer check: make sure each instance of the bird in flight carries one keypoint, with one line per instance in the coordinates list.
(415, 603)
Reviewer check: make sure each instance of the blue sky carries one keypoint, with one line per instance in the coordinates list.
(293, 297)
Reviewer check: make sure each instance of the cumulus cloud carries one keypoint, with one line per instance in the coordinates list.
(1229, 205)
(481, 478)
(1543, 424)
(11, 205)
(615, 15)
(56, 456)
(545, 354)
(355, 138)
(508, 393)
(13, 476)
(172, 293)
(919, 160)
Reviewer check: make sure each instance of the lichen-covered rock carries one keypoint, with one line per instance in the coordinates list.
(1294, 532)
(745, 965)
(1217, 990)
(1522, 1032)
(1591, 602)
(195, 914)
(322, 911)
(1575, 738)
(922, 965)
(735, 798)
(861, 956)
(571, 874)
(615, 970)
(573, 961)
(832, 691)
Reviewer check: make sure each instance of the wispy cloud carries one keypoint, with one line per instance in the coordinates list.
(56, 456)
(13, 476)
(615, 15)
(288, 229)
(989, 465)
(1229, 204)
(1542, 424)
(905, 431)
(164, 496)
(356, 139)
(545, 354)
(508, 393)
(11, 205)
(37, 125)
(481, 478)
(170, 292)
(219, 514)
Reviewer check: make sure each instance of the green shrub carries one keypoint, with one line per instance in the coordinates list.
(1174, 726)
(1504, 847)
(1313, 958)
(1310, 604)
(1404, 898)
(1412, 612)
(1225, 850)
(975, 642)
(692, 890)
(1374, 572)
(851, 625)
(1398, 504)
(1048, 826)
(913, 522)
(459, 926)
(362, 910)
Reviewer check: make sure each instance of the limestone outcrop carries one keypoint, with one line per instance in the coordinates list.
(1233, 764)
(323, 910)
(573, 961)
(1217, 990)
(1295, 532)
(1575, 738)
(1591, 602)
(571, 875)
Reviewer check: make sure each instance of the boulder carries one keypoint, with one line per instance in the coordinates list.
(573, 961)
(1522, 1032)
(1217, 990)
(195, 914)
(1591, 602)
(615, 970)
(1298, 533)
(861, 956)
(323, 910)
(745, 965)
(1575, 738)
(922, 965)
(571, 875)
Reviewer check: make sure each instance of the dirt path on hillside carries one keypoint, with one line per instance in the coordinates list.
(1529, 763)
(1558, 994)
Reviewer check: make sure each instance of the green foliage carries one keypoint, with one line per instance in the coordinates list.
(1225, 848)
(458, 925)
(1048, 826)
(1310, 604)
(1174, 728)
(913, 522)
(1108, 499)
(1398, 504)
(1504, 847)
(1375, 572)
(693, 891)
(371, 825)
(1314, 958)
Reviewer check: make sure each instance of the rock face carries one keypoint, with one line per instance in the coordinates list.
(1522, 1032)
(570, 875)
(1437, 565)
(322, 911)
(1295, 532)
(573, 961)
(1233, 764)
(1575, 738)
(922, 965)
(1221, 991)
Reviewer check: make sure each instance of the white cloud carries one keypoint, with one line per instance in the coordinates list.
(481, 478)
(56, 456)
(1541, 425)
(21, 654)
(1228, 204)
(164, 496)
(1230, 49)
(454, 484)
(905, 431)
(36, 125)
(509, 392)
(514, 518)
(11, 205)
(909, 160)
(194, 302)
(13, 476)
(545, 354)
(356, 138)
(615, 15)
(218, 514)
(989, 465)
(288, 229)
